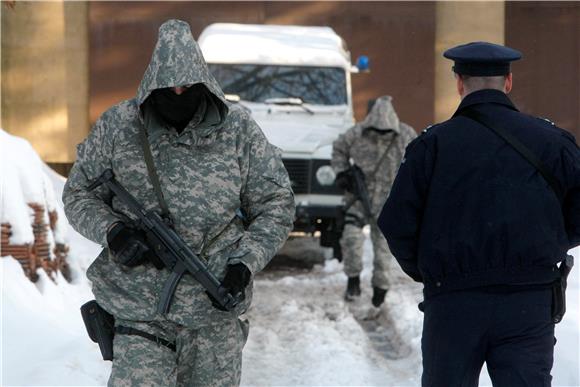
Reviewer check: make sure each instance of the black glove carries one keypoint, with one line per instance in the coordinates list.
(129, 246)
(344, 181)
(235, 281)
(237, 278)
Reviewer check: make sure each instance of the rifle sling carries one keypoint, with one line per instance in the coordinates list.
(153, 176)
(523, 150)
(383, 156)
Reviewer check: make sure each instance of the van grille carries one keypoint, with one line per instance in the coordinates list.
(299, 172)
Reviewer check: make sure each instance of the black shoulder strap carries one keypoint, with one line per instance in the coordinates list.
(519, 147)
(383, 156)
(153, 174)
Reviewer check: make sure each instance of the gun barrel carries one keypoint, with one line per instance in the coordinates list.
(362, 191)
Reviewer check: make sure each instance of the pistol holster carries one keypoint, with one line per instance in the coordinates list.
(100, 326)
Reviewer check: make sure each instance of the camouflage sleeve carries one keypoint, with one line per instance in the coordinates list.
(267, 200)
(341, 151)
(87, 211)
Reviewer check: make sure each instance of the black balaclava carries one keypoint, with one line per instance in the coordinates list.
(379, 131)
(178, 110)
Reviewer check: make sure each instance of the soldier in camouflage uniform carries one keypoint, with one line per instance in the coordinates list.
(376, 145)
(213, 162)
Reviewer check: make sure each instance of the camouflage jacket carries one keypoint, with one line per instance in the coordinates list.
(366, 147)
(221, 162)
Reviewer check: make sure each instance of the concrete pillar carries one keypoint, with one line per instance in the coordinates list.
(76, 35)
(458, 23)
(45, 75)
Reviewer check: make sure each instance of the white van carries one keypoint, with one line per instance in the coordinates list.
(296, 83)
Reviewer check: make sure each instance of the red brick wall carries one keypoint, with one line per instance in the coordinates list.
(398, 37)
(547, 79)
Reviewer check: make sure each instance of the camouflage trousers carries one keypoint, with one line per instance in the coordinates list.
(209, 356)
(351, 244)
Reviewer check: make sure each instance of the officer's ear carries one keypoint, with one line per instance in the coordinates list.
(508, 83)
(460, 85)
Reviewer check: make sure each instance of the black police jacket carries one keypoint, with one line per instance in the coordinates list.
(466, 210)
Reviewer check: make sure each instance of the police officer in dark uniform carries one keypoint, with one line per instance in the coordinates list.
(485, 230)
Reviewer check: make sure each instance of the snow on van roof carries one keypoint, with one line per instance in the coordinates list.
(273, 44)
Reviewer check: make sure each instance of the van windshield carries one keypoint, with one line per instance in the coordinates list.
(258, 83)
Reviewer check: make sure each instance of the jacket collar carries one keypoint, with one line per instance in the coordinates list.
(484, 97)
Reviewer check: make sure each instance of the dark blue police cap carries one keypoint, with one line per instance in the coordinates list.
(482, 59)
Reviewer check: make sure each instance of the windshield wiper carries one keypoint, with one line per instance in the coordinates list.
(288, 101)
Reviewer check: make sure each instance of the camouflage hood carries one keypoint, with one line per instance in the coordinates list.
(382, 115)
(176, 61)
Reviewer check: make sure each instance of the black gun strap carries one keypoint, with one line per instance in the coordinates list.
(374, 173)
(383, 156)
(165, 214)
(519, 147)
(123, 330)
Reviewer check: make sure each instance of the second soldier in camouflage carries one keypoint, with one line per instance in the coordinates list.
(376, 145)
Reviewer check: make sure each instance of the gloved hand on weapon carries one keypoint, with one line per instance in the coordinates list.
(129, 246)
(236, 279)
(344, 181)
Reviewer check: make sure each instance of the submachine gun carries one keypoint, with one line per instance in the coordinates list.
(171, 249)
(360, 191)
(358, 188)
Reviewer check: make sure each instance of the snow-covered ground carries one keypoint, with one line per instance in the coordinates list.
(302, 332)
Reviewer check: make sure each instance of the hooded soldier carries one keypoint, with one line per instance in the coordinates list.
(376, 145)
(226, 193)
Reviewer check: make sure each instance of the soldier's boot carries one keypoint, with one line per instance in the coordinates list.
(378, 296)
(352, 288)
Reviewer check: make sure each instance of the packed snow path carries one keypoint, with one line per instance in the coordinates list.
(303, 332)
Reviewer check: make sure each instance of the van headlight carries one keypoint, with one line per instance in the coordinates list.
(325, 175)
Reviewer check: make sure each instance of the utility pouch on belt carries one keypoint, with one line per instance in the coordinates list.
(559, 290)
(100, 327)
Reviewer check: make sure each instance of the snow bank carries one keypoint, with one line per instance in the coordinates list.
(19, 185)
(44, 342)
(23, 182)
(82, 251)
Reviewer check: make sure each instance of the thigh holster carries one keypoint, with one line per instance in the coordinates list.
(100, 326)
